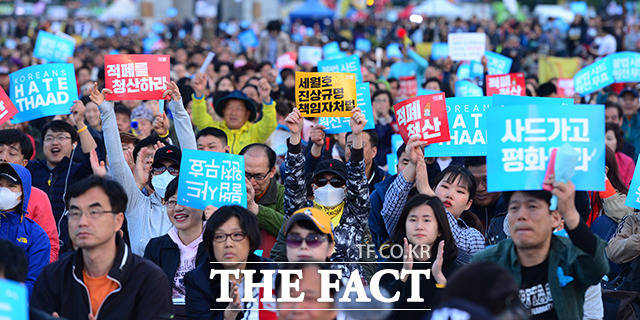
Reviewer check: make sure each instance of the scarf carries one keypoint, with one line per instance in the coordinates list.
(335, 213)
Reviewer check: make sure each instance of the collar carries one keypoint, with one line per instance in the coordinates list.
(270, 196)
(245, 127)
(373, 174)
(117, 271)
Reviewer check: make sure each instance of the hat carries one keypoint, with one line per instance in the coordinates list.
(171, 153)
(334, 166)
(316, 216)
(236, 95)
(7, 172)
(628, 90)
(142, 112)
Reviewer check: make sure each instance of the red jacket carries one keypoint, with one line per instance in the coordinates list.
(626, 167)
(39, 210)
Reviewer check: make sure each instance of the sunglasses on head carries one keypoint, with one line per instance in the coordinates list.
(312, 240)
(172, 170)
(335, 182)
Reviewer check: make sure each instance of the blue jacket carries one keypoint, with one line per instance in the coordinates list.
(379, 232)
(24, 232)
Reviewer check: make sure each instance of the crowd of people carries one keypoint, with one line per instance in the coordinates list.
(92, 226)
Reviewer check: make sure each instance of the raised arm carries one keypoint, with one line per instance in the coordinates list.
(263, 128)
(201, 118)
(86, 140)
(182, 121)
(294, 184)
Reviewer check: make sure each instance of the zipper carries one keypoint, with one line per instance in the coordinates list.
(233, 144)
(73, 271)
(107, 296)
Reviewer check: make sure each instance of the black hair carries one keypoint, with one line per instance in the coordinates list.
(11, 136)
(262, 64)
(215, 132)
(452, 173)
(239, 73)
(114, 191)
(218, 66)
(271, 155)
(373, 137)
(248, 223)
(475, 161)
(250, 86)
(283, 107)
(172, 189)
(543, 195)
(13, 261)
(547, 89)
(122, 109)
(433, 79)
(286, 73)
(274, 25)
(401, 150)
(233, 83)
(60, 126)
(613, 175)
(610, 104)
(148, 141)
(380, 92)
(617, 131)
(392, 79)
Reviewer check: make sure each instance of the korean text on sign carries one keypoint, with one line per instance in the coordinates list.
(349, 64)
(407, 87)
(325, 94)
(466, 46)
(337, 125)
(54, 48)
(593, 77)
(136, 76)
(521, 137)
(511, 84)
(497, 63)
(211, 178)
(626, 66)
(425, 116)
(633, 198)
(7, 109)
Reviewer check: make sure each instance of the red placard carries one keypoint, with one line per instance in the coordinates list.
(425, 116)
(287, 61)
(565, 87)
(511, 84)
(136, 76)
(407, 87)
(7, 109)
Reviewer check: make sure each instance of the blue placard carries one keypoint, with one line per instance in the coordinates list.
(53, 48)
(477, 69)
(579, 7)
(43, 90)
(363, 45)
(633, 198)
(393, 51)
(497, 63)
(626, 66)
(13, 300)
(341, 124)
(465, 88)
(396, 141)
(593, 77)
(248, 39)
(310, 55)
(500, 101)
(211, 178)
(467, 128)
(519, 143)
(330, 50)
(464, 71)
(424, 92)
(439, 50)
(349, 64)
(392, 163)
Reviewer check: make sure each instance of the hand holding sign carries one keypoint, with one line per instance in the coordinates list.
(358, 121)
(566, 193)
(172, 91)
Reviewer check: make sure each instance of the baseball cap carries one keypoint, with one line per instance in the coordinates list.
(334, 166)
(7, 172)
(626, 90)
(316, 216)
(171, 153)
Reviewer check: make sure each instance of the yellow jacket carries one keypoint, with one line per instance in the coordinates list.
(237, 138)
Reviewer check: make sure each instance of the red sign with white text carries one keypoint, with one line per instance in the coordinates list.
(407, 87)
(425, 116)
(136, 76)
(7, 109)
(511, 84)
(565, 87)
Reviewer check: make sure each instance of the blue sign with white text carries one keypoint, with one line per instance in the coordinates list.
(53, 48)
(466, 88)
(626, 66)
(393, 51)
(497, 63)
(248, 39)
(349, 64)
(363, 45)
(439, 50)
(501, 100)
(13, 300)
(341, 124)
(593, 77)
(633, 198)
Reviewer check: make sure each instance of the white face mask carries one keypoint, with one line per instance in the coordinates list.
(160, 182)
(329, 196)
(9, 199)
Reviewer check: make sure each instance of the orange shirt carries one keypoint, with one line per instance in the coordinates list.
(99, 288)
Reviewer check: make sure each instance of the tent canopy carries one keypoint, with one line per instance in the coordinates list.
(441, 8)
(311, 11)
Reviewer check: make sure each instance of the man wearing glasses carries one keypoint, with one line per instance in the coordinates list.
(103, 278)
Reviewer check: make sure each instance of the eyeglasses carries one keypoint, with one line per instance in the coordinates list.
(312, 240)
(172, 170)
(235, 236)
(75, 214)
(49, 139)
(335, 182)
(256, 176)
(171, 203)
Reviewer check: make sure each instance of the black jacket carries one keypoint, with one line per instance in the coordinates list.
(143, 291)
(166, 255)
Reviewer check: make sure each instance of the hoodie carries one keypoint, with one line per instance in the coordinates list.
(24, 232)
(39, 210)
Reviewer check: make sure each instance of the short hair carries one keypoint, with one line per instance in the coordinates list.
(60, 126)
(392, 79)
(146, 142)
(262, 64)
(172, 189)
(283, 107)
(611, 104)
(114, 191)
(547, 89)
(11, 136)
(233, 83)
(543, 195)
(475, 161)
(381, 92)
(122, 109)
(452, 173)
(271, 155)
(373, 137)
(401, 150)
(13, 261)
(286, 73)
(218, 66)
(250, 86)
(211, 131)
(126, 137)
(248, 223)
(432, 79)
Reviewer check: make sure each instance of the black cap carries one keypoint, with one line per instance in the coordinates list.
(7, 172)
(626, 90)
(171, 153)
(236, 95)
(334, 166)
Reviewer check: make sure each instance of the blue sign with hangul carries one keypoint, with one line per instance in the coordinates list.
(43, 90)
(467, 128)
(393, 51)
(54, 48)
(500, 101)
(392, 163)
(633, 197)
(439, 50)
(424, 92)
(593, 77)
(465, 88)
(497, 63)
(579, 7)
(211, 178)
(520, 141)
(349, 64)
(341, 124)
(472, 70)
(13, 300)
(363, 45)
(248, 39)
(626, 66)
(396, 141)
(331, 50)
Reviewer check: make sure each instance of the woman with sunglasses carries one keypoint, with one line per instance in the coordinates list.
(309, 236)
(230, 237)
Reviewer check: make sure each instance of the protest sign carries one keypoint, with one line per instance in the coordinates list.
(392, 163)
(337, 125)
(555, 67)
(439, 51)
(465, 88)
(466, 46)
(43, 90)
(423, 92)
(349, 64)
(331, 50)
(363, 45)
(593, 77)
(425, 116)
(206, 63)
(579, 7)
(626, 66)
(565, 87)
(211, 178)
(497, 63)
(309, 55)
(396, 142)
(633, 198)
(7, 109)
(54, 48)
(502, 101)
(470, 70)
(467, 129)
(248, 39)
(506, 84)
(393, 51)
(407, 87)
(13, 300)
(287, 61)
(136, 76)
(325, 94)
(519, 143)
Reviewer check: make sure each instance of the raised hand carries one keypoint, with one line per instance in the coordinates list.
(96, 96)
(209, 210)
(436, 269)
(251, 198)
(566, 194)
(77, 111)
(172, 91)
(358, 121)
(161, 124)
(142, 170)
(294, 122)
(97, 166)
(264, 89)
(317, 135)
(407, 258)
(199, 84)
(234, 306)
